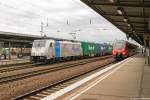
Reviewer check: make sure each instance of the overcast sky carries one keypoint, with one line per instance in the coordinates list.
(25, 16)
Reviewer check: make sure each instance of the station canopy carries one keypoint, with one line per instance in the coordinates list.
(23, 40)
(17, 37)
(130, 16)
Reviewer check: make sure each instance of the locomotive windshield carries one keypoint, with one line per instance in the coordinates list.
(119, 45)
(38, 44)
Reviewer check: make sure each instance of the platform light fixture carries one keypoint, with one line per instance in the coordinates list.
(119, 10)
(129, 25)
(125, 19)
(112, 1)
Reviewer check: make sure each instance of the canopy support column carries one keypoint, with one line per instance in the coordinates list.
(9, 46)
(147, 49)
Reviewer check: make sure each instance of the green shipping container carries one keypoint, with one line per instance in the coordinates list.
(110, 49)
(89, 49)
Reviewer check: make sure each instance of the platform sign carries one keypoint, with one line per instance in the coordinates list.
(149, 23)
(146, 40)
(146, 37)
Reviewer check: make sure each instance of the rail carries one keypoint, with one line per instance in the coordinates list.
(9, 78)
(56, 86)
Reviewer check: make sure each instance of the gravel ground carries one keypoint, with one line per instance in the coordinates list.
(16, 88)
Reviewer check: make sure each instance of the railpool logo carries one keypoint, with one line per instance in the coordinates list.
(91, 47)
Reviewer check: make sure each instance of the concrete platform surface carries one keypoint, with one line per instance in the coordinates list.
(14, 61)
(130, 82)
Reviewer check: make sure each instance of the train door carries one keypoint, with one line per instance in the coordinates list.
(57, 50)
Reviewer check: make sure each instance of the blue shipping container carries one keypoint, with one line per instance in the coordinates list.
(57, 49)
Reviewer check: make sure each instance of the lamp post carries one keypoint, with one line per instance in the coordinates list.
(42, 28)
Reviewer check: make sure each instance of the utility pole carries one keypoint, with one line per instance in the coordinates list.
(47, 23)
(41, 28)
(67, 22)
(90, 21)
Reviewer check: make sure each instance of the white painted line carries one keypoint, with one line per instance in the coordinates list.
(79, 83)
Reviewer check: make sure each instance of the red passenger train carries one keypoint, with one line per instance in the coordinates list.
(123, 49)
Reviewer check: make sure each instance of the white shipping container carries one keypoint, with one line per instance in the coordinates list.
(66, 49)
(76, 49)
(70, 49)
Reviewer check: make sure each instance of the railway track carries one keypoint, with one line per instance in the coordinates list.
(12, 68)
(9, 78)
(28, 65)
(48, 90)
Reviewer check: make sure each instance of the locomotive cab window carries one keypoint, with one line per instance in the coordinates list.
(38, 44)
(119, 45)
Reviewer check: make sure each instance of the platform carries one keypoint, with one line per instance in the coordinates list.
(129, 82)
(14, 61)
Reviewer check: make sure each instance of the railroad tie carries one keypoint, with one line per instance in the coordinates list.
(51, 91)
(45, 92)
(42, 95)
(34, 97)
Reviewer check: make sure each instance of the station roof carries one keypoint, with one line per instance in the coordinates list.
(130, 16)
(17, 37)
(23, 38)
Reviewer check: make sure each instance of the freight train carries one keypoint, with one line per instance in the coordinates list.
(123, 49)
(48, 51)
